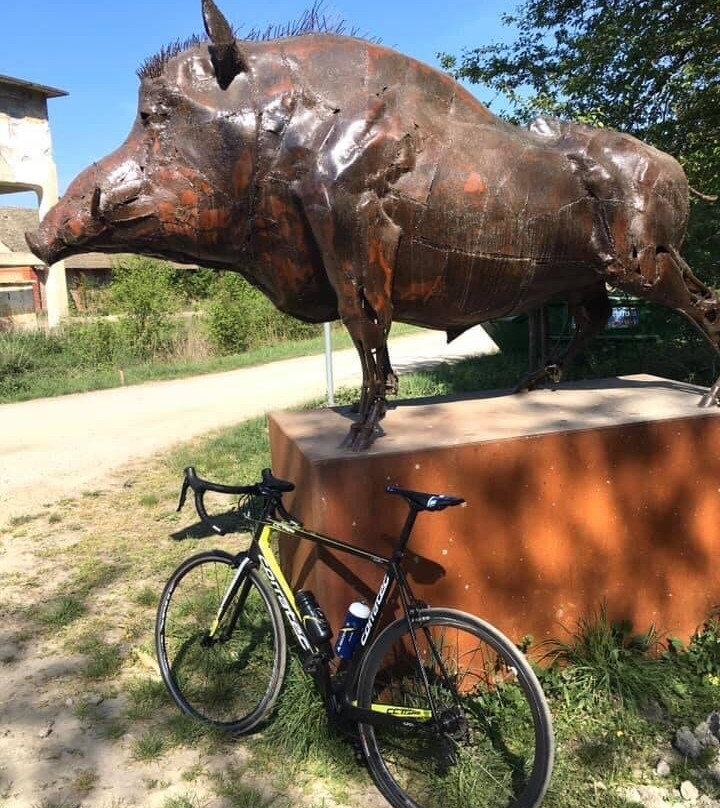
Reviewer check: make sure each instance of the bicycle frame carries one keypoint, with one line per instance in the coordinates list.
(339, 704)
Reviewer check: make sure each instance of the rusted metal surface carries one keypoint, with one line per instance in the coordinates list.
(347, 180)
(574, 496)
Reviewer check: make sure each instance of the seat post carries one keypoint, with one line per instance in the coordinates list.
(407, 529)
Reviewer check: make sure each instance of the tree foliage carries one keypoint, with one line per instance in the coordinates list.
(142, 290)
(240, 316)
(647, 67)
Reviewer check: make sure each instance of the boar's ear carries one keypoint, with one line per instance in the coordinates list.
(226, 56)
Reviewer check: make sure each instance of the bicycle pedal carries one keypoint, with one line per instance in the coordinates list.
(312, 663)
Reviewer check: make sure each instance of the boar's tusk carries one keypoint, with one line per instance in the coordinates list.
(227, 59)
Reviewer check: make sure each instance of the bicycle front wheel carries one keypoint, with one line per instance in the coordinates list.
(220, 641)
(489, 743)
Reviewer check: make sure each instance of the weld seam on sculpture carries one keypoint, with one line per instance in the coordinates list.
(346, 180)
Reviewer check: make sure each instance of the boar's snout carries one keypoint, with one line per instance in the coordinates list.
(39, 246)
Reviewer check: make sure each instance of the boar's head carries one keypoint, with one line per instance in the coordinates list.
(180, 187)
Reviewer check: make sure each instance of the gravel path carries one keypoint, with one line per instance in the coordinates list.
(56, 447)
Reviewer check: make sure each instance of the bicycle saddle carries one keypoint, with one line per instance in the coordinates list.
(425, 502)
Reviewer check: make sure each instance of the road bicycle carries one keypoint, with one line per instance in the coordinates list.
(445, 710)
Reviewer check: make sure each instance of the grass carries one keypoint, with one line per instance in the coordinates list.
(64, 609)
(300, 730)
(57, 379)
(25, 519)
(147, 596)
(233, 788)
(57, 804)
(183, 801)
(195, 772)
(149, 746)
(597, 691)
(145, 697)
(104, 659)
(60, 611)
(91, 576)
(84, 781)
(603, 660)
(112, 730)
(181, 730)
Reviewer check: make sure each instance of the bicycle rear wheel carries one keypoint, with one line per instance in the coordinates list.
(494, 745)
(228, 673)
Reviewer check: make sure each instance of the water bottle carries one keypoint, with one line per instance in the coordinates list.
(314, 621)
(355, 621)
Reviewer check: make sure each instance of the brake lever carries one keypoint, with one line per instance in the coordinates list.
(183, 494)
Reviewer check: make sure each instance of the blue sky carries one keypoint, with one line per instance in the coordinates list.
(92, 49)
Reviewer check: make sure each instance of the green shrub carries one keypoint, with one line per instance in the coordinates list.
(239, 316)
(231, 313)
(194, 284)
(702, 654)
(96, 344)
(142, 290)
(604, 660)
(16, 355)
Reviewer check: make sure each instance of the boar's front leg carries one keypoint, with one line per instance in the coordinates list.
(358, 242)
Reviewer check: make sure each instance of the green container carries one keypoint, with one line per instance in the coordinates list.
(632, 319)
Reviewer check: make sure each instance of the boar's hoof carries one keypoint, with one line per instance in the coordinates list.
(391, 384)
(552, 372)
(364, 432)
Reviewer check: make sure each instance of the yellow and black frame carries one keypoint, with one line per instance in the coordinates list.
(337, 690)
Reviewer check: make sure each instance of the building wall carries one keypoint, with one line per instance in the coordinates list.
(20, 298)
(26, 163)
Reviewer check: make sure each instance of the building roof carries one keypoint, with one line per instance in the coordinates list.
(15, 222)
(40, 89)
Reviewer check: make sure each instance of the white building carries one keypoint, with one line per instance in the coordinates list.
(26, 164)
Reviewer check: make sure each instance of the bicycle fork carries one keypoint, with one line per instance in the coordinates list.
(237, 581)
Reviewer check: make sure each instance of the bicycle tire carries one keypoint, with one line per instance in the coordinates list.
(465, 765)
(233, 683)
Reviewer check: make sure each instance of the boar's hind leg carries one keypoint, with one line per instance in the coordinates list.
(662, 275)
(590, 312)
(358, 243)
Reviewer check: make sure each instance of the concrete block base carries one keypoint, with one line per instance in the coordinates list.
(604, 490)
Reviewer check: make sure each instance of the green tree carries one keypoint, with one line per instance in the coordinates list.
(232, 313)
(647, 67)
(239, 316)
(142, 290)
(194, 284)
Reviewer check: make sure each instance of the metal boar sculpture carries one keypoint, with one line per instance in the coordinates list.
(347, 180)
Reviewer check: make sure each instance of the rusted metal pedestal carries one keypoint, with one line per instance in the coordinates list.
(598, 490)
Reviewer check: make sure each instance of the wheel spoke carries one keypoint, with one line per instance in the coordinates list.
(493, 744)
(227, 678)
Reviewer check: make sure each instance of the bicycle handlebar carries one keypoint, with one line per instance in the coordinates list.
(269, 487)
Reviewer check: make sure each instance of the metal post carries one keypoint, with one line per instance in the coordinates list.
(329, 366)
(533, 335)
(544, 320)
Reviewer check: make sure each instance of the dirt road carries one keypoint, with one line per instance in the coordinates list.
(56, 447)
